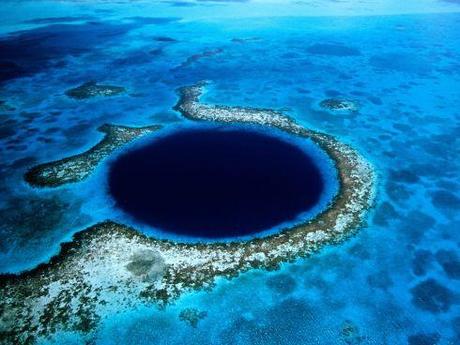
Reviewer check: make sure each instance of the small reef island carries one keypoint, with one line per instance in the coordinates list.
(92, 89)
(339, 105)
(111, 266)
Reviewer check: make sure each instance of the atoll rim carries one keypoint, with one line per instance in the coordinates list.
(229, 172)
(144, 269)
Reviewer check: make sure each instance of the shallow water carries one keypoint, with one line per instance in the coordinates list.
(396, 281)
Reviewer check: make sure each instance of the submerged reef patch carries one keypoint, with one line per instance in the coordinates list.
(196, 57)
(27, 52)
(350, 334)
(91, 89)
(5, 107)
(330, 49)
(339, 105)
(431, 296)
(424, 339)
(192, 316)
(27, 221)
(77, 168)
(101, 269)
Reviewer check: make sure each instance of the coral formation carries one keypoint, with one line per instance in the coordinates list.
(4, 107)
(78, 167)
(92, 89)
(192, 316)
(334, 104)
(196, 57)
(349, 333)
(111, 266)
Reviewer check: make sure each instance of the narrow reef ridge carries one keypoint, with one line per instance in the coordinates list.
(111, 267)
(77, 168)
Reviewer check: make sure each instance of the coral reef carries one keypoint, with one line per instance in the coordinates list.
(4, 107)
(78, 167)
(27, 221)
(92, 89)
(431, 296)
(190, 107)
(196, 57)
(329, 49)
(245, 39)
(341, 105)
(192, 316)
(349, 333)
(111, 266)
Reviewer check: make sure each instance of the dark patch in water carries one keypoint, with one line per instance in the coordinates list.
(404, 176)
(384, 214)
(223, 1)
(375, 100)
(416, 224)
(398, 62)
(27, 221)
(379, 280)
(444, 199)
(8, 127)
(156, 52)
(164, 39)
(23, 162)
(27, 52)
(139, 57)
(360, 251)
(192, 316)
(92, 89)
(214, 183)
(450, 263)
(282, 283)
(333, 50)
(456, 326)
(153, 20)
(350, 334)
(196, 57)
(181, 3)
(424, 339)
(332, 93)
(421, 262)
(53, 20)
(397, 192)
(431, 296)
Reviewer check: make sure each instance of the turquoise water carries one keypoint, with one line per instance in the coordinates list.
(397, 281)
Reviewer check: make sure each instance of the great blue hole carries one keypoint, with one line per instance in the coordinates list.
(215, 183)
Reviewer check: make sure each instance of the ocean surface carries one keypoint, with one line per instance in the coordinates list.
(396, 282)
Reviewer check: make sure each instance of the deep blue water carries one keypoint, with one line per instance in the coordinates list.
(397, 280)
(216, 183)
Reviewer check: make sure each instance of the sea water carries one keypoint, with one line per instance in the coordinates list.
(396, 282)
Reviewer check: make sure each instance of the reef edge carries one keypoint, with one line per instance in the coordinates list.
(91, 277)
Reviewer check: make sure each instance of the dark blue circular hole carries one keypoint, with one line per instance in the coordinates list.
(215, 183)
